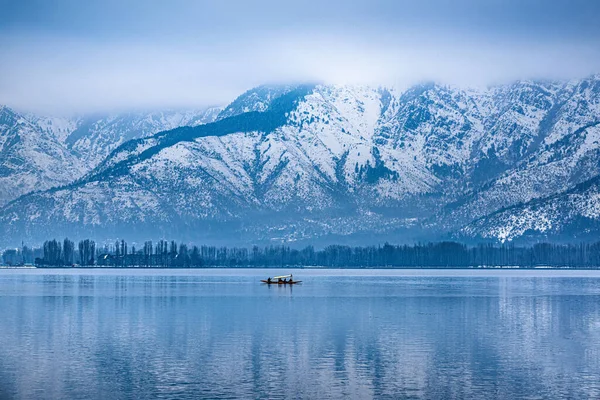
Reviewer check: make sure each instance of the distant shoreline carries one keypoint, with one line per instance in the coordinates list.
(307, 275)
(383, 268)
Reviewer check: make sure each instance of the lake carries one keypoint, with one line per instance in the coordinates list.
(220, 334)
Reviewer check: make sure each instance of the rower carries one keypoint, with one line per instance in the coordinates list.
(269, 280)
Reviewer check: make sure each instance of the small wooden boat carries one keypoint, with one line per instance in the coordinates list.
(277, 280)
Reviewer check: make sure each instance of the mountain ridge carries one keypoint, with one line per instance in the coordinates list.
(80, 141)
(339, 160)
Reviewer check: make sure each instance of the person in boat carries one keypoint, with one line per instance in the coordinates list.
(290, 278)
(269, 280)
(284, 280)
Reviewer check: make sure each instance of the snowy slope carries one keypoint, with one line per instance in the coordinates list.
(40, 152)
(96, 136)
(31, 158)
(255, 99)
(557, 149)
(303, 162)
(569, 216)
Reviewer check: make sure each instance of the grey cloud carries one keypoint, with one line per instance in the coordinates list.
(70, 56)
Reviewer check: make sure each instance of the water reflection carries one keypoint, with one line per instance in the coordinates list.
(165, 336)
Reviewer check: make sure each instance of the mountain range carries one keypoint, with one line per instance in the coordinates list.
(38, 153)
(315, 164)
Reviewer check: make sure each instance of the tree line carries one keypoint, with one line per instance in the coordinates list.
(169, 254)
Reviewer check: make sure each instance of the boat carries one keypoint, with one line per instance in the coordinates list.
(277, 280)
(280, 283)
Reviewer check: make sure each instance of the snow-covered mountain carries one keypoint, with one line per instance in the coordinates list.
(357, 163)
(573, 215)
(31, 157)
(43, 152)
(96, 136)
(255, 99)
(561, 151)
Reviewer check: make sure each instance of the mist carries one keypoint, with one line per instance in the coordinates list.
(103, 56)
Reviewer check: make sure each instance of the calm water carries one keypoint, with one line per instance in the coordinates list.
(342, 334)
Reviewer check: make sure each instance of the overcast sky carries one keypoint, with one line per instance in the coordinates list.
(88, 55)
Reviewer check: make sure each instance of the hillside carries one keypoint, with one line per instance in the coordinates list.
(350, 163)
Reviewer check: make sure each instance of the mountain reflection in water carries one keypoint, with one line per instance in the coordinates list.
(199, 334)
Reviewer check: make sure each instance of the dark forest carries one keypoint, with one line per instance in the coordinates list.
(169, 254)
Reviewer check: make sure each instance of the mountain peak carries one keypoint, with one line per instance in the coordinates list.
(256, 99)
(299, 162)
(7, 116)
